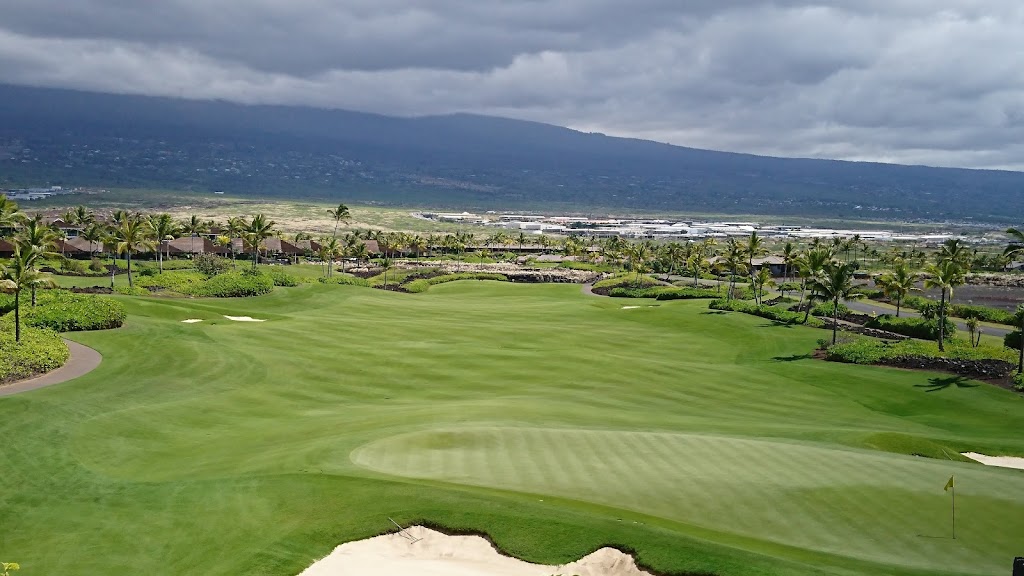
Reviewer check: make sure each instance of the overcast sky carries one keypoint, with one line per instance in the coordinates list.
(936, 82)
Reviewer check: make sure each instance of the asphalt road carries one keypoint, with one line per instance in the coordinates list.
(868, 307)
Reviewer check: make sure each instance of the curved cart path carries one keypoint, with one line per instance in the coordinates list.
(82, 361)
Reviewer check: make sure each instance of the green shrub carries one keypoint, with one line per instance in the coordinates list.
(282, 278)
(466, 276)
(827, 309)
(873, 351)
(872, 293)
(40, 350)
(663, 293)
(125, 290)
(983, 313)
(917, 302)
(183, 282)
(417, 286)
(65, 311)
(776, 313)
(211, 264)
(345, 280)
(627, 280)
(69, 266)
(1012, 340)
(96, 265)
(1018, 382)
(913, 327)
(235, 285)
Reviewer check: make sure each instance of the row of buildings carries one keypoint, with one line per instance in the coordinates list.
(652, 229)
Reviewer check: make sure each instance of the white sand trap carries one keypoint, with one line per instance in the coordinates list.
(631, 307)
(191, 321)
(438, 554)
(1000, 461)
(244, 319)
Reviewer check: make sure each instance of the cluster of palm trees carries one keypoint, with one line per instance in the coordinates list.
(32, 243)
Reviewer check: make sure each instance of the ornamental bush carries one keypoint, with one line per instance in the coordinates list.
(40, 350)
(66, 311)
(776, 313)
(983, 313)
(873, 351)
(913, 327)
(827, 309)
(235, 285)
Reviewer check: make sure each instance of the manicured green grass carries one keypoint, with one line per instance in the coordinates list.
(553, 421)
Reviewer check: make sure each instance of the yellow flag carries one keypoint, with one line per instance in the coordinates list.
(949, 484)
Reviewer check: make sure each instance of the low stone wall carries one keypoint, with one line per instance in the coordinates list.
(981, 369)
(858, 329)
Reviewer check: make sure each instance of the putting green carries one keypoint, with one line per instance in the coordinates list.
(866, 505)
(554, 421)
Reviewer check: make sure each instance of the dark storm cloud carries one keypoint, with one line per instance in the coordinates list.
(930, 81)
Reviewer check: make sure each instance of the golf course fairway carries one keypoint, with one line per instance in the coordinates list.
(552, 421)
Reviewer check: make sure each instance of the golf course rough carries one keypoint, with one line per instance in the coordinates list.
(553, 422)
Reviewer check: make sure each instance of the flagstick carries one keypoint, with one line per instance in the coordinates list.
(954, 509)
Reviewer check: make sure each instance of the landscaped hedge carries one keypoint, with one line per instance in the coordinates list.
(664, 293)
(236, 284)
(65, 311)
(424, 284)
(40, 350)
(913, 327)
(983, 313)
(629, 280)
(873, 351)
(777, 314)
(226, 285)
(828, 308)
(180, 281)
(282, 278)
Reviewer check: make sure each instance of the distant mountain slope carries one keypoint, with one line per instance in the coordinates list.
(69, 137)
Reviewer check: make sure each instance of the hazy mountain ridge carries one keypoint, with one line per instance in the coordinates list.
(68, 137)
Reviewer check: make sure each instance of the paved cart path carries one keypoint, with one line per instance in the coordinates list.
(82, 361)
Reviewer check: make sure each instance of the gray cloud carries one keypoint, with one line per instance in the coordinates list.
(920, 81)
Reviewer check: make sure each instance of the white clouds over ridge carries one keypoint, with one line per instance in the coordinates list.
(937, 82)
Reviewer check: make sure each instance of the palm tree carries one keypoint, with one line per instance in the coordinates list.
(697, 263)
(255, 233)
(164, 229)
(33, 234)
(734, 262)
(18, 274)
(898, 283)
(760, 280)
(385, 264)
(755, 248)
(522, 240)
(974, 329)
(95, 233)
(789, 258)
(131, 235)
(637, 254)
(339, 214)
(193, 227)
(954, 250)
(1013, 250)
(83, 216)
(945, 275)
(814, 262)
(8, 208)
(835, 283)
(330, 248)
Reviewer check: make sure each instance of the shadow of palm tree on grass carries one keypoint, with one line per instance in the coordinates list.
(936, 384)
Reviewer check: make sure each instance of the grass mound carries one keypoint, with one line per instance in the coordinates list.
(777, 313)
(39, 351)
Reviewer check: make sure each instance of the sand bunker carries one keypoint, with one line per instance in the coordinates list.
(437, 554)
(1000, 461)
(244, 319)
(631, 307)
(191, 321)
